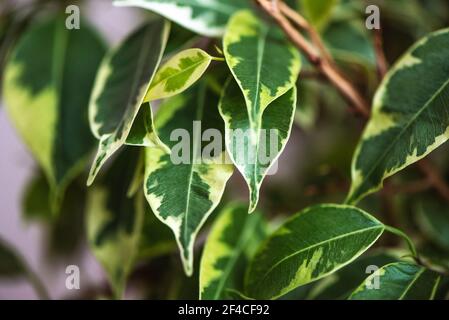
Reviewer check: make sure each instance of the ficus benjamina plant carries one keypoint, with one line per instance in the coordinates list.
(328, 128)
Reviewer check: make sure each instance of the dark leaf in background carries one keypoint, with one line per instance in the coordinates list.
(48, 78)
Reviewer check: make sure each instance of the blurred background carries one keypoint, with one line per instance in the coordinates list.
(17, 167)
(314, 168)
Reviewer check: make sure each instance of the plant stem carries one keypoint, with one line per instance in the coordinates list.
(381, 60)
(217, 59)
(409, 242)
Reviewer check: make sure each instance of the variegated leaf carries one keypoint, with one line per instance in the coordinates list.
(410, 116)
(265, 67)
(252, 150)
(178, 74)
(208, 18)
(342, 283)
(183, 194)
(399, 281)
(262, 61)
(46, 91)
(311, 245)
(120, 87)
(230, 245)
(114, 221)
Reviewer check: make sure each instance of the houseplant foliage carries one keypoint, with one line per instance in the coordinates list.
(269, 69)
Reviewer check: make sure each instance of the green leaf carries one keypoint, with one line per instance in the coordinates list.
(349, 41)
(318, 12)
(120, 87)
(409, 118)
(254, 154)
(229, 246)
(114, 221)
(207, 18)
(311, 245)
(156, 239)
(178, 74)
(182, 194)
(265, 67)
(36, 200)
(400, 281)
(433, 220)
(46, 91)
(11, 264)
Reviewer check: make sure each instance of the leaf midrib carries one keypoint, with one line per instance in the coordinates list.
(140, 71)
(199, 116)
(256, 109)
(415, 278)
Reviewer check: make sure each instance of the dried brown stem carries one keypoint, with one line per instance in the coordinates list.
(302, 23)
(381, 60)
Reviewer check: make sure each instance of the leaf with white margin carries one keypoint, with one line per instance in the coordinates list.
(265, 66)
(399, 281)
(230, 245)
(410, 116)
(206, 17)
(254, 151)
(47, 84)
(183, 195)
(311, 245)
(178, 74)
(261, 59)
(122, 82)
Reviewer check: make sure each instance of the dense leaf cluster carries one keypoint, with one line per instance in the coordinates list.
(227, 65)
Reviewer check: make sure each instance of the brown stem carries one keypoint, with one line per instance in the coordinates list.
(381, 60)
(326, 67)
(302, 23)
